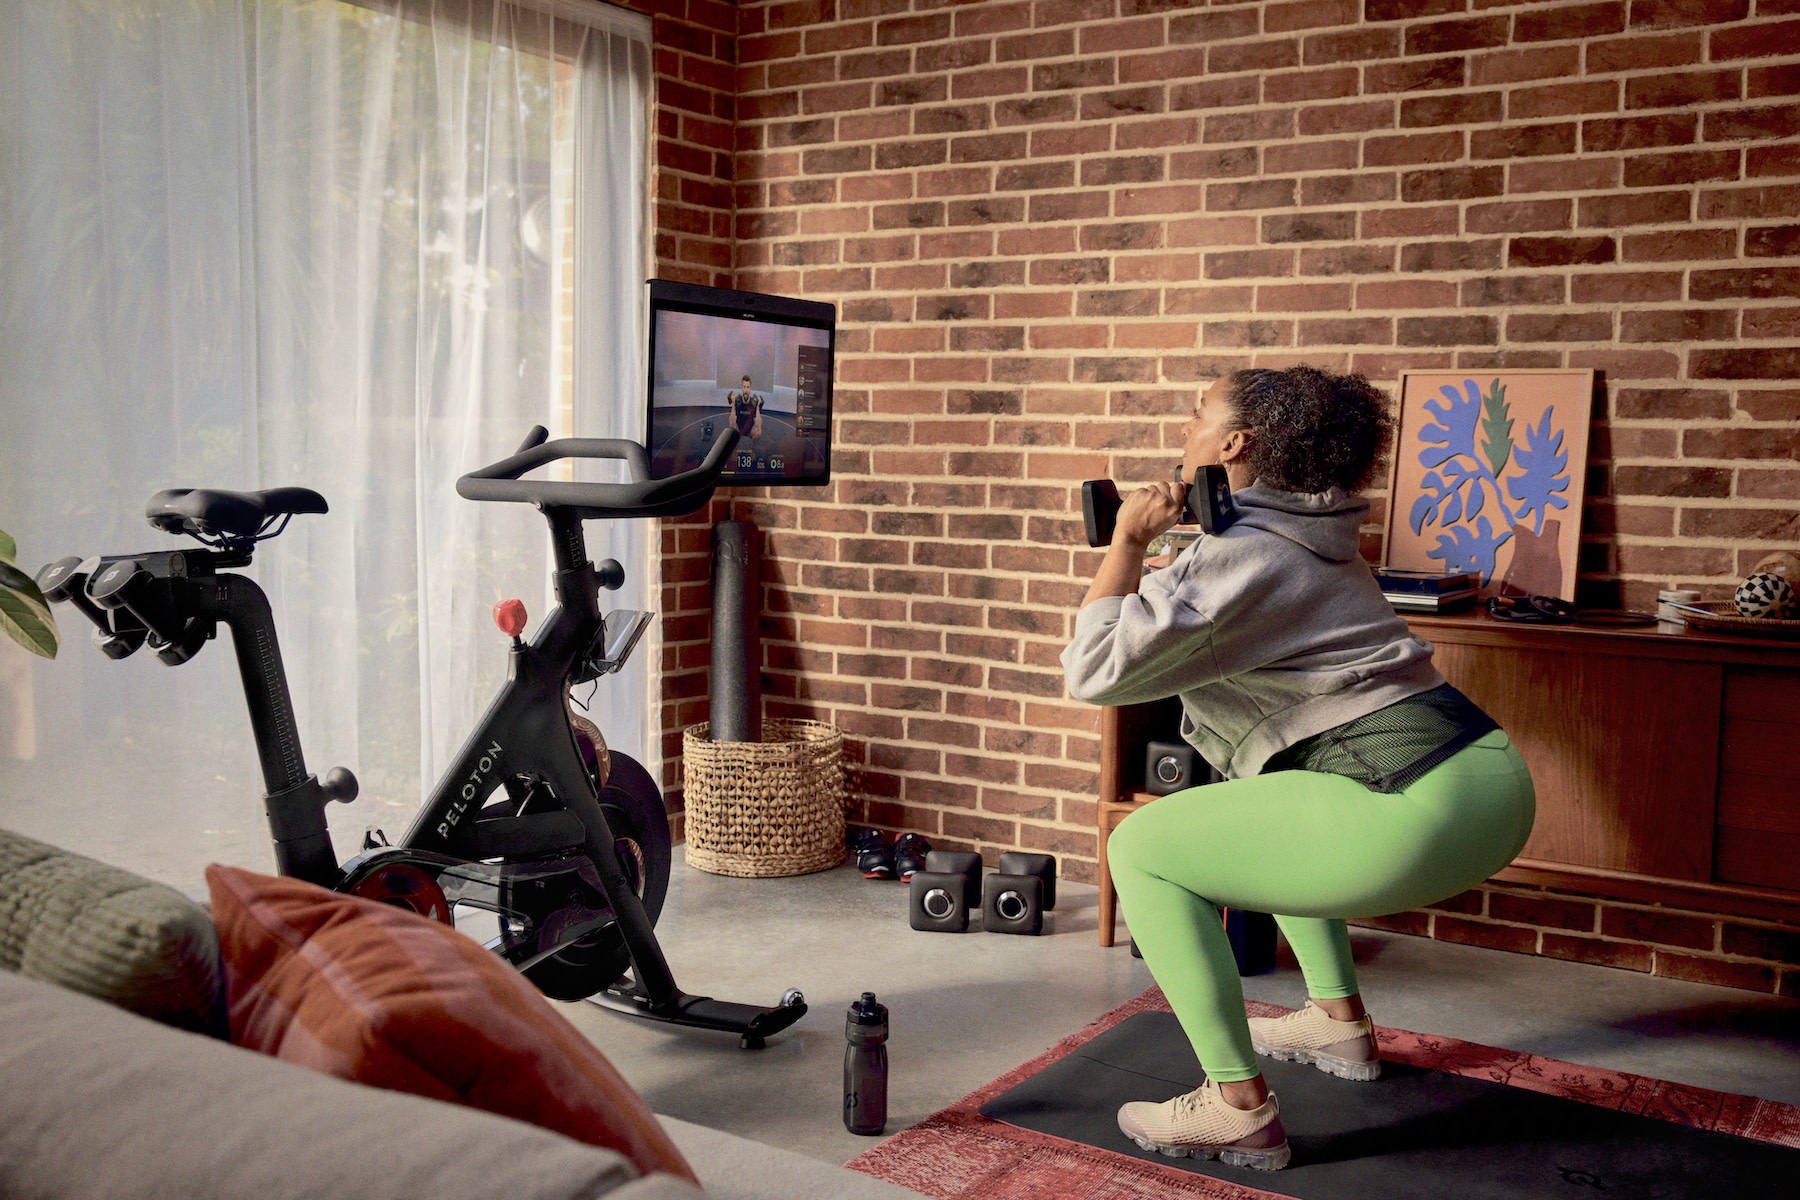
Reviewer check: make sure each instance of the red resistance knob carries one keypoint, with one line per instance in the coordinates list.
(509, 615)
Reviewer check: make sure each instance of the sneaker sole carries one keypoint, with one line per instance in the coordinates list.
(1257, 1160)
(1342, 1068)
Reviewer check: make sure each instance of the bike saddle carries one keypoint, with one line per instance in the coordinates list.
(214, 512)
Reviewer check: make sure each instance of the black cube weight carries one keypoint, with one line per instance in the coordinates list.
(1012, 904)
(959, 862)
(1018, 862)
(937, 902)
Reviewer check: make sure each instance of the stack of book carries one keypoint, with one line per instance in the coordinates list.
(1428, 591)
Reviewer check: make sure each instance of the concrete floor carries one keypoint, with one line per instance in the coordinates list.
(966, 1009)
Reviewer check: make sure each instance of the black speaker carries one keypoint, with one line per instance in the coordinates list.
(1171, 766)
(1017, 862)
(959, 862)
(1012, 904)
(937, 903)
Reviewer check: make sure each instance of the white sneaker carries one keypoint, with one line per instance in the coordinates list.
(1200, 1124)
(1342, 1048)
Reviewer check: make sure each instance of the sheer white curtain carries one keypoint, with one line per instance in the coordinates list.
(356, 247)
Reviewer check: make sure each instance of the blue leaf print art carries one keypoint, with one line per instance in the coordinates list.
(1481, 490)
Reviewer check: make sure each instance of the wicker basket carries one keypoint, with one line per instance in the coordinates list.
(758, 810)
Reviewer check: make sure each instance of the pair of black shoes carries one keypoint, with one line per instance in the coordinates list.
(879, 858)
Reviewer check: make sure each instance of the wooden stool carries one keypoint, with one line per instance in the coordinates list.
(1124, 732)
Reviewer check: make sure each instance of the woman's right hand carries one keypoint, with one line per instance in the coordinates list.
(1152, 510)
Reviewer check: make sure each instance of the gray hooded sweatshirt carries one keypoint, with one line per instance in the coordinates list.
(1270, 632)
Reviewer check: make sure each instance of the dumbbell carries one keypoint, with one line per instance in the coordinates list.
(1015, 898)
(944, 894)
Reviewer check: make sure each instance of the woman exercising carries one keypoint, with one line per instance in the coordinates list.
(1358, 782)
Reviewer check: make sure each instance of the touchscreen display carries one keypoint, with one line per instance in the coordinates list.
(760, 364)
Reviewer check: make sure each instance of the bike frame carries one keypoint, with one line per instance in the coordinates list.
(175, 599)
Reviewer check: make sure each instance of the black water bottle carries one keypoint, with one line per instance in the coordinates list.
(865, 1066)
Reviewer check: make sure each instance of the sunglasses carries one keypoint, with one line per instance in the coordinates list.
(1548, 610)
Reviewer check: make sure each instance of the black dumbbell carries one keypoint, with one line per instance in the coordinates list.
(1017, 862)
(1012, 903)
(937, 901)
(963, 862)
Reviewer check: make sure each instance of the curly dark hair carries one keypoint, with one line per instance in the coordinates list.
(1309, 429)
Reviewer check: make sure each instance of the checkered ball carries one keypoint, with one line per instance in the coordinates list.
(1764, 595)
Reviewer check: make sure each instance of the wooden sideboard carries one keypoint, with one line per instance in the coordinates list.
(1667, 761)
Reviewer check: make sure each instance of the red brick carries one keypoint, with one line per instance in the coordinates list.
(1760, 283)
(1324, 119)
(1597, 951)
(1359, 45)
(1519, 141)
(1463, 108)
(1755, 41)
(1561, 327)
(1743, 124)
(1416, 923)
(1513, 290)
(1656, 170)
(1268, 54)
(1644, 208)
(1677, 89)
(1304, 297)
(1678, 325)
(1636, 52)
(1783, 80)
(1214, 26)
(1516, 66)
(1746, 363)
(1628, 364)
(1445, 37)
(1406, 294)
(1411, 149)
(1031, 110)
(1446, 928)
(1443, 220)
(1756, 977)
(1332, 83)
(1414, 75)
(1637, 287)
(1310, 14)
(1680, 245)
(1447, 331)
(1755, 203)
(1561, 100)
(1518, 216)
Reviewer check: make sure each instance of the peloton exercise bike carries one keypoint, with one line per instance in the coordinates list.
(535, 821)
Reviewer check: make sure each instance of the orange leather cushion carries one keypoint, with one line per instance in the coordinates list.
(380, 995)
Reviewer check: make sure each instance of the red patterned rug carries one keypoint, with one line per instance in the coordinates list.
(958, 1154)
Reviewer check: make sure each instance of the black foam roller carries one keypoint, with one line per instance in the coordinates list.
(735, 697)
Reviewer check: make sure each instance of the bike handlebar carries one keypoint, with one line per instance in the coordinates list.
(642, 497)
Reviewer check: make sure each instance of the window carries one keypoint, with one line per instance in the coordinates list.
(355, 247)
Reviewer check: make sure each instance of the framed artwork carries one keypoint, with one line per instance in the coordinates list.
(1489, 475)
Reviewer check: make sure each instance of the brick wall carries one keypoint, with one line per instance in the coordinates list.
(1047, 222)
(1690, 944)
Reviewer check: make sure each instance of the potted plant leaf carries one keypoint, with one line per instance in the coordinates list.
(24, 613)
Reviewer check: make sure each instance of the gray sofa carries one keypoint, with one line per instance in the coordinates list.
(116, 1087)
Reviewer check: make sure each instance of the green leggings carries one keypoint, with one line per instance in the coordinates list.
(1312, 849)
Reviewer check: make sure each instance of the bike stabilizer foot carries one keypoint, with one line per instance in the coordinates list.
(750, 1023)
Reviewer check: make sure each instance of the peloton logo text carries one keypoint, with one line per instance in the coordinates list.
(470, 790)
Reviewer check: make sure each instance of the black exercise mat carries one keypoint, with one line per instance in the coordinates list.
(1411, 1133)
